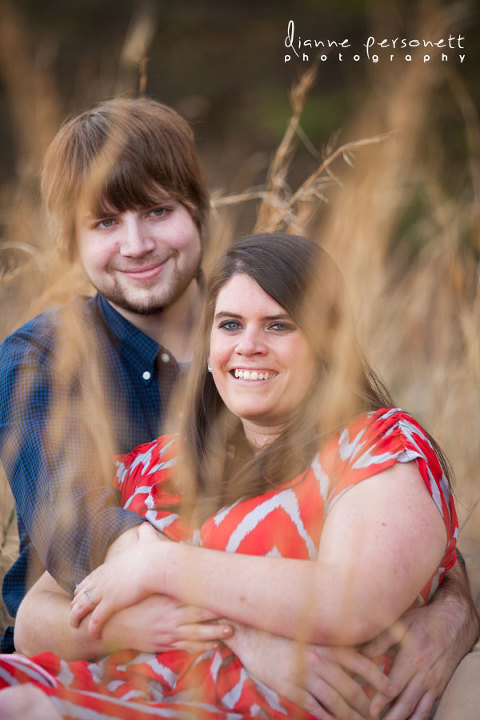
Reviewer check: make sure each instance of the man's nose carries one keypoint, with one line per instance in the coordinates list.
(136, 239)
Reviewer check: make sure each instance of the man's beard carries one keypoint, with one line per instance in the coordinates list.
(159, 299)
(148, 307)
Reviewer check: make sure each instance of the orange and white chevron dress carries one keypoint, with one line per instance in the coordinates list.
(285, 521)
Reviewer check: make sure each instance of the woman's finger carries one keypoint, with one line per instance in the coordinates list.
(83, 585)
(103, 611)
(193, 614)
(81, 605)
(204, 631)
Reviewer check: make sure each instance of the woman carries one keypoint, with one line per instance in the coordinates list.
(293, 486)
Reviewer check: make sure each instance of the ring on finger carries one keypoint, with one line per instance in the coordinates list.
(86, 591)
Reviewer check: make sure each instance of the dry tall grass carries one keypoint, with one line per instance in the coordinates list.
(416, 294)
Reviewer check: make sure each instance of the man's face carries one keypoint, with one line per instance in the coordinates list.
(141, 260)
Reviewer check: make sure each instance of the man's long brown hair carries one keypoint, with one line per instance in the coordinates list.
(116, 157)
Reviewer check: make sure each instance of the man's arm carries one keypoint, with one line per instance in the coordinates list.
(156, 624)
(70, 515)
(431, 641)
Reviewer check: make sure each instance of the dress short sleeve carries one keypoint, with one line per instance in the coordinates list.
(144, 478)
(374, 442)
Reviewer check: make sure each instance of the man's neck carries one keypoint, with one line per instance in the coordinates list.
(173, 327)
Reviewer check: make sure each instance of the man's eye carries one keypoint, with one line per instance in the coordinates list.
(158, 212)
(105, 223)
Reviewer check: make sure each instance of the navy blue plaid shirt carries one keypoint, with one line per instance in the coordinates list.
(138, 377)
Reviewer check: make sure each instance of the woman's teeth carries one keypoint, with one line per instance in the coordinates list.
(253, 374)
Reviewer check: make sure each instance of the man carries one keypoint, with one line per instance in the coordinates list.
(125, 189)
(127, 195)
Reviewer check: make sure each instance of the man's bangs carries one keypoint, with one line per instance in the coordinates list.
(126, 190)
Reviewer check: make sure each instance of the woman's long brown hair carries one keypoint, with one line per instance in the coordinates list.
(217, 466)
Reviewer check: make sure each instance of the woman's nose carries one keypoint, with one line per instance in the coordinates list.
(251, 342)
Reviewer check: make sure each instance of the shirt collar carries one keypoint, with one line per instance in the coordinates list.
(140, 349)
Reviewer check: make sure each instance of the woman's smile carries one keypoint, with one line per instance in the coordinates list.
(253, 374)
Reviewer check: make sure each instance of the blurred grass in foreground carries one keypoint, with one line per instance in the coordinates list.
(408, 247)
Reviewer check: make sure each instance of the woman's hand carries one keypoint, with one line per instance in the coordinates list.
(158, 624)
(127, 578)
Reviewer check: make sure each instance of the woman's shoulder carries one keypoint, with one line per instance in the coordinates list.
(376, 434)
(375, 441)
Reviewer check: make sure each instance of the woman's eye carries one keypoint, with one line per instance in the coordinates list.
(281, 326)
(229, 325)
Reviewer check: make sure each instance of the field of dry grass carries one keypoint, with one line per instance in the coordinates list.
(409, 251)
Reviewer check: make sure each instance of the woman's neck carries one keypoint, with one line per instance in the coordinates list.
(259, 436)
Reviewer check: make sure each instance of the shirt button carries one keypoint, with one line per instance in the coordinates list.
(165, 357)
(147, 375)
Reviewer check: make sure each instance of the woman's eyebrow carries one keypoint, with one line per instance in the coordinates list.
(224, 313)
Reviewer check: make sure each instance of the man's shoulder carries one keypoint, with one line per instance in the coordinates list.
(37, 337)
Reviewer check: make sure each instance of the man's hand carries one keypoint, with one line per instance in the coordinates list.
(431, 641)
(318, 679)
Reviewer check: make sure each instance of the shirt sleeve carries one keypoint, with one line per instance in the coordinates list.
(69, 514)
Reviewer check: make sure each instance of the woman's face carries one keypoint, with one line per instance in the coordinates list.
(262, 363)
